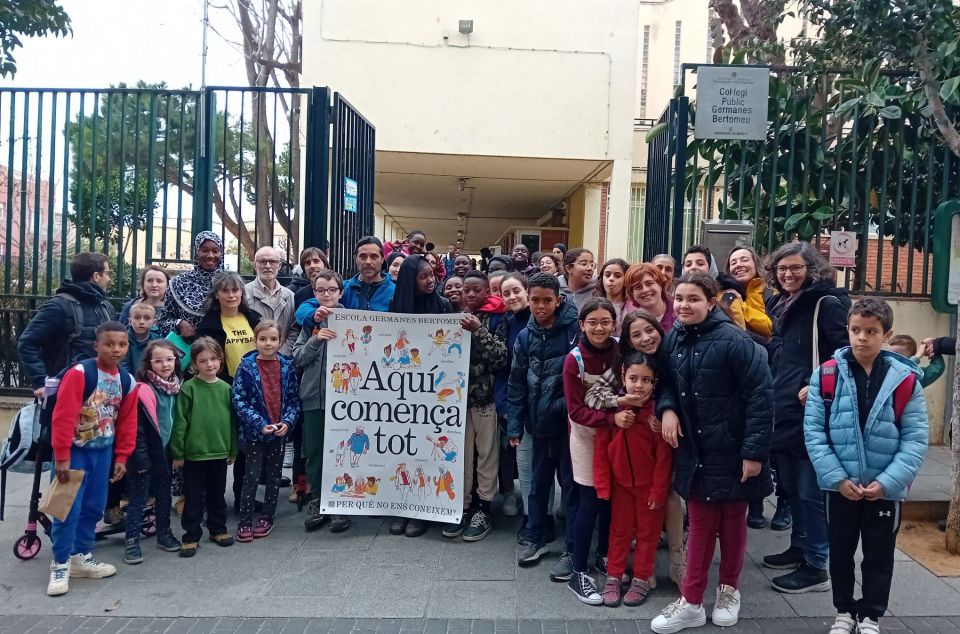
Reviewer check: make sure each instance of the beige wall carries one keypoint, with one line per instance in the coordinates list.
(916, 317)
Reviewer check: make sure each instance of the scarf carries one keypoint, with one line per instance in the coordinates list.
(170, 386)
(189, 290)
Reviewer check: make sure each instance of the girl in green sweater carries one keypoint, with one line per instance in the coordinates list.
(204, 442)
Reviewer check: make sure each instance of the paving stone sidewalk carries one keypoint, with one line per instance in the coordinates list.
(412, 584)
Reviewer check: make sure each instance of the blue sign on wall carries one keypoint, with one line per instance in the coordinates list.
(349, 194)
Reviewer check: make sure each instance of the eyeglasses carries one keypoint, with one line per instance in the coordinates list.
(269, 262)
(327, 291)
(793, 268)
(587, 264)
(593, 323)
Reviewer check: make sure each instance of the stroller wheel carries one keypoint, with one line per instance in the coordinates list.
(27, 547)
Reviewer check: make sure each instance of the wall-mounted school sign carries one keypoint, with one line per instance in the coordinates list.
(732, 102)
(396, 412)
(349, 194)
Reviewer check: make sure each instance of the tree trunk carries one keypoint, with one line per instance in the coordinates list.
(952, 537)
(931, 90)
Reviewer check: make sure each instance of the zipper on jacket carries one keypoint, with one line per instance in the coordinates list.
(626, 443)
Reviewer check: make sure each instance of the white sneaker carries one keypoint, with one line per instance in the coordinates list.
(288, 455)
(869, 626)
(85, 566)
(59, 579)
(726, 611)
(677, 616)
(510, 506)
(844, 624)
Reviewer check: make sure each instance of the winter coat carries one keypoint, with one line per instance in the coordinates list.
(791, 352)
(535, 402)
(249, 404)
(310, 358)
(754, 308)
(488, 353)
(52, 341)
(723, 397)
(137, 349)
(211, 326)
(635, 458)
(357, 295)
(280, 309)
(149, 454)
(516, 322)
(883, 451)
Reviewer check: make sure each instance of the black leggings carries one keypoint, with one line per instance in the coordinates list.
(265, 457)
(584, 509)
(156, 479)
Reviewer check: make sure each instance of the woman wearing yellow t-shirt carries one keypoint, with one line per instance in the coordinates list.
(229, 321)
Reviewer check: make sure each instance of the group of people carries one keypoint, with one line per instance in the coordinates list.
(656, 397)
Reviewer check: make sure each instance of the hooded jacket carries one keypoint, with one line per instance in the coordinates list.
(249, 404)
(310, 358)
(359, 295)
(535, 402)
(149, 453)
(884, 451)
(722, 394)
(579, 297)
(516, 322)
(52, 340)
(488, 352)
(791, 353)
(635, 458)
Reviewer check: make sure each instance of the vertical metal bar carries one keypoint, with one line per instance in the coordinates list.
(107, 175)
(807, 163)
(914, 190)
(259, 111)
(743, 178)
(135, 216)
(8, 237)
(37, 167)
(225, 194)
(66, 188)
(204, 163)
(79, 172)
(50, 193)
(881, 225)
(166, 187)
(898, 230)
(774, 181)
(151, 187)
(683, 109)
(315, 225)
(121, 190)
(181, 158)
(852, 200)
(24, 165)
(273, 181)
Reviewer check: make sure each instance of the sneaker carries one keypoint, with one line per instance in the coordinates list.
(416, 528)
(288, 456)
(726, 610)
(583, 586)
(398, 525)
(339, 523)
(529, 553)
(563, 569)
(313, 518)
(263, 528)
(512, 506)
(455, 530)
(869, 626)
(479, 527)
(611, 592)
(189, 549)
(755, 518)
(59, 579)
(637, 593)
(284, 482)
(844, 624)
(678, 566)
(244, 533)
(677, 616)
(600, 565)
(790, 558)
(113, 516)
(294, 496)
(222, 539)
(132, 554)
(166, 541)
(806, 578)
(783, 517)
(86, 567)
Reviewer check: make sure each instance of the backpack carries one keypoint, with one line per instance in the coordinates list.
(29, 437)
(828, 390)
(82, 334)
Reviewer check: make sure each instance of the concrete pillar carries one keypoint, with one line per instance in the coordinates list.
(618, 210)
(592, 208)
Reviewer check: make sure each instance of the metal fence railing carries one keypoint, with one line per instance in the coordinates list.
(844, 151)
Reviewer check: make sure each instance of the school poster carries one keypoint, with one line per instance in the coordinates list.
(396, 406)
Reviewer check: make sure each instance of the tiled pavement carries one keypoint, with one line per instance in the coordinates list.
(427, 585)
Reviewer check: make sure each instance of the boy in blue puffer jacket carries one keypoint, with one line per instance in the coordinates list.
(865, 457)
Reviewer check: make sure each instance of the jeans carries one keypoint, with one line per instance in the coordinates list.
(799, 482)
(584, 508)
(551, 457)
(525, 473)
(708, 522)
(75, 535)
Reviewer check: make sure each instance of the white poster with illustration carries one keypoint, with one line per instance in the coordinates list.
(396, 411)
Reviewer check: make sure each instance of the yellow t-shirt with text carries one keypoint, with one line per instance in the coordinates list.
(240, 340)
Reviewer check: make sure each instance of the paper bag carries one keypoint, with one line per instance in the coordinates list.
(59, 498)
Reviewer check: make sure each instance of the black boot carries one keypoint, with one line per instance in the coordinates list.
(806, 578)
(755, 518)
(783, 517)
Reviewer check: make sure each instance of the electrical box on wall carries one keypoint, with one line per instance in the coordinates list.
(721, 236)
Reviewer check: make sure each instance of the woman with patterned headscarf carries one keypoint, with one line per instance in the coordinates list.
(183, 304)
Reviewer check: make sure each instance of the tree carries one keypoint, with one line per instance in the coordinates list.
(28, 18)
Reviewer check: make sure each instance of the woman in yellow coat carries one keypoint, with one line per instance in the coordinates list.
(743, 263)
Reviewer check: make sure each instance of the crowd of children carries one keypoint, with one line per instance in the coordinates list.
(648, 400)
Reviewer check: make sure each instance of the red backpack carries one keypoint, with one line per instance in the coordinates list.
(828, 389)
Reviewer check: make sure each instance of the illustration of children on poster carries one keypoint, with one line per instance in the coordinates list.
(395, 421)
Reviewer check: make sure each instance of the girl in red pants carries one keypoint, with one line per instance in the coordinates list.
(632, 470)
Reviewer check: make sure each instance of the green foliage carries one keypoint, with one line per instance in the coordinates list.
(28, 18)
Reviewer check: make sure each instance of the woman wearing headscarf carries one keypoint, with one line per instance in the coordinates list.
(183, 303)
